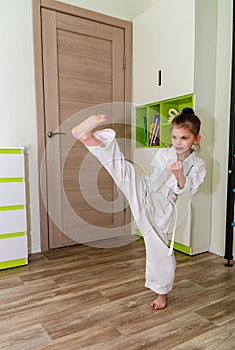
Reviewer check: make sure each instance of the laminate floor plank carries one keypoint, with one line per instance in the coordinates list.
(24, 339)
(163, 336)
(88, 298)
(220, 313)
(219, 338)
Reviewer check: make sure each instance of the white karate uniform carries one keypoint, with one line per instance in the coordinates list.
(152, 201)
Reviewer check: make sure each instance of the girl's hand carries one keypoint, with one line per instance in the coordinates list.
(177, 171)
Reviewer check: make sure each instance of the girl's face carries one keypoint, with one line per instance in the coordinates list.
(182, 141)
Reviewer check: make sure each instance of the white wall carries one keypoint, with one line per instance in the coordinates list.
(17, 95)
(125, 9)
(221, 126)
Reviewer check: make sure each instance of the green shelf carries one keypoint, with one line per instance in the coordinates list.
(144, 116)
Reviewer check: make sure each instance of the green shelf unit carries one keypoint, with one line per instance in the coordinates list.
(148, 111)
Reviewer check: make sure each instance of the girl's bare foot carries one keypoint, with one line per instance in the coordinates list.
(84, 131)
(160, 302)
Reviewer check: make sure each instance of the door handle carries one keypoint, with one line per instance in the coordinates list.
(52, 134)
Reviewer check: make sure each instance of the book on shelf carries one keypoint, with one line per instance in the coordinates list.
(154, 134)
(145, 127)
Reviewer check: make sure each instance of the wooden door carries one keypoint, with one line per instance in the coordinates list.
(83, 65)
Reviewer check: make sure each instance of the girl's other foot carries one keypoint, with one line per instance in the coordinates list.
(84, 131)
(88, 125)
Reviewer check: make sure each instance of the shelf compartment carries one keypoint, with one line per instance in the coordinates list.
(144, 116)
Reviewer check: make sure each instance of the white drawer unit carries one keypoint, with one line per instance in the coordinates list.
(13, 222)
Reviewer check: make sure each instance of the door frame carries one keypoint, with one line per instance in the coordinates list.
(39, 88)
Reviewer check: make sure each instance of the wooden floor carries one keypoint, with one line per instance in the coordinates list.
(89, 298)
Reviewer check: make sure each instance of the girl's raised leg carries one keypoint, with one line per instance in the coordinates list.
(159, 266)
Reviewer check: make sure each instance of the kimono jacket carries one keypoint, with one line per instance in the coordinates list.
(162, 187)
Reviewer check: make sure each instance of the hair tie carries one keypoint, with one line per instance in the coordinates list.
(172, 114)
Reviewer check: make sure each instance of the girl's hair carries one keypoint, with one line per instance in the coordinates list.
(187, 119)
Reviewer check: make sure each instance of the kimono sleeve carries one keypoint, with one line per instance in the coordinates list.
(194, 179)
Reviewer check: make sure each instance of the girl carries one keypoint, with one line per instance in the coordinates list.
(152, 199)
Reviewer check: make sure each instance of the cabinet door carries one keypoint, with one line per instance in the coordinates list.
(12, 165)
(163, 40)
(146, 60)
(177, 47)
(12, 193)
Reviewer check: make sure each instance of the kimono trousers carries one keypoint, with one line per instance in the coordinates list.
(152, 201)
